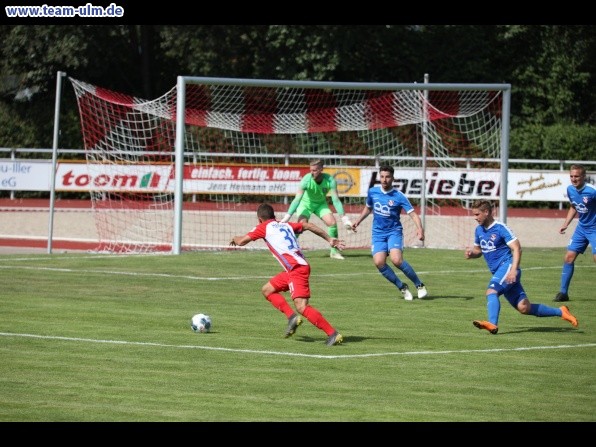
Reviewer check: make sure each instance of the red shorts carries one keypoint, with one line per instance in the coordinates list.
(296, 281)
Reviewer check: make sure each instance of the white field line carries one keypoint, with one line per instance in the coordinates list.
(231, 278)
(250, 351)
(295, 354)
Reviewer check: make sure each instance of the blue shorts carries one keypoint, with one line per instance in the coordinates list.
(515, 292)
(580, 240)
(387, 242)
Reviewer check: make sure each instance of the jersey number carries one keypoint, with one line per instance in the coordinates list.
(289, 236)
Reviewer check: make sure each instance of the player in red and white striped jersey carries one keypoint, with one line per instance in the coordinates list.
(281, 240)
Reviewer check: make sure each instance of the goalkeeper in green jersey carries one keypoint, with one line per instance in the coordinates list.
(311, 198)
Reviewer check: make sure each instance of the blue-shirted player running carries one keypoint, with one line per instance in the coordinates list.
(502, 252)
(386, 203)
(582, 197)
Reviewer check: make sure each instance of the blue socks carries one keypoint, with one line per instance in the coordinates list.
(566, 276)
(390, 275)
(541, 310)
(493, 306)
(410, 273)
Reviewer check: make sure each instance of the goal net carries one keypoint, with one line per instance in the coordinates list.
(243, 142)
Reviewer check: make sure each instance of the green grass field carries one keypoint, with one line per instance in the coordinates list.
(89, 337)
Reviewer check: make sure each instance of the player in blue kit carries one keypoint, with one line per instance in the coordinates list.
(386, 203)
(582, 197)
(502, 253)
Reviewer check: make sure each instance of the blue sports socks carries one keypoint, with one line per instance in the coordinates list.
(493, 307)
(566, 276)
(410, 273)
(390, 275)
(541, 310)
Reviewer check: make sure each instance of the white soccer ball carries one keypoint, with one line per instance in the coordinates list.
(200, 323)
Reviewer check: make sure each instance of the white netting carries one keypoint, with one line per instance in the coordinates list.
(251, 130)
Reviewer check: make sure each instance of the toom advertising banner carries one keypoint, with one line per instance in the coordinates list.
(114, 178)
(35, 175)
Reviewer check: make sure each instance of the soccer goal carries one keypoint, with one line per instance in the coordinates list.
(187, 170)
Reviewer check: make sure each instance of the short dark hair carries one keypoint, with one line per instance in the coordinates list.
(265, 211)
(387, 168)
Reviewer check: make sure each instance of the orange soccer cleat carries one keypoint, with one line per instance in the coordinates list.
(480, 324)
(567, 316)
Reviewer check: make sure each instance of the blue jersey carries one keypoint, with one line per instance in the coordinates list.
(493, 241)
(584, 202)
(386, 207)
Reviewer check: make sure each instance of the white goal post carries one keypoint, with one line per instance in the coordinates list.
(186, 170)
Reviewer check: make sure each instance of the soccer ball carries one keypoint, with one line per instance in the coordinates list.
(200, 323)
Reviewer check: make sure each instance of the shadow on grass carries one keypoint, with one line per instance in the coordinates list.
(541, 330)
(347, 339)
(430, 297)
(345, 254)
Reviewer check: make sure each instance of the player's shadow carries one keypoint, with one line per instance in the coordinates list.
(349, 255)
(347, 339)
(346, 254)
(548, 330)
(430, 297)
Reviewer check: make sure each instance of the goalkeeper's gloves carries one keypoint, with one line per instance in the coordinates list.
(286, 218)
(346, 221)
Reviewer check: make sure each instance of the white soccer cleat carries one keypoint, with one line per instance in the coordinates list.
(422, 292)
(336, 255)
(405, 291)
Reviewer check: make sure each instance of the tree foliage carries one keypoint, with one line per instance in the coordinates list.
(552, 73)
(551, 69)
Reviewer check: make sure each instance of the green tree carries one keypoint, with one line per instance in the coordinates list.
(551, 67)
(118, 57)
(552, 73)
(461, 53)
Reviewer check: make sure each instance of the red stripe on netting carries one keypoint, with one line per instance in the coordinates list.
(444, 104)
(321, 111)
(98, 118)
(114, 97)
(260, 106)
(379, 105)
(198, 105)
